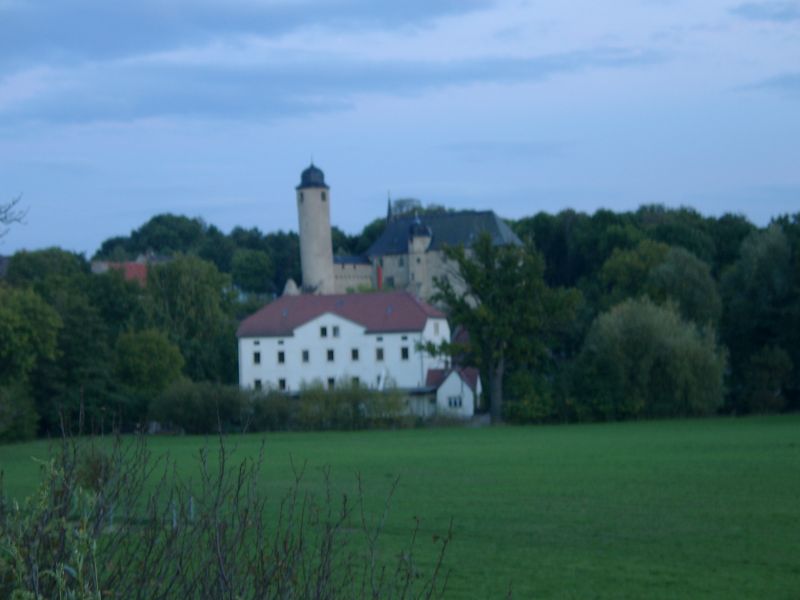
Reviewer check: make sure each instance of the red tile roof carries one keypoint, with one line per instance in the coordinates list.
(378, 313)
(132, 271)
(435, 377)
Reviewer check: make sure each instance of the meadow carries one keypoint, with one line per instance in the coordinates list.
(663, 509)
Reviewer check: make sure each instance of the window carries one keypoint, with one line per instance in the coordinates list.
(257, 343)
(356, 381)
(257, 384)
(305, 356)
(436, 328)
(256, 358)
(354, 354)
(404, 352)
(323, 331)
(419, 260)
(301, 196)
(335, 331)
(282, 385)
(324, 196)
(331, 383)
(330, 355)
(281, 357)
(378, 354)
(454, 401)
(380, 338)
(404, 338)
(400, 262)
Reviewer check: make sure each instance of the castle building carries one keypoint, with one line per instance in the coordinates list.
(316, 248)
(408, 256)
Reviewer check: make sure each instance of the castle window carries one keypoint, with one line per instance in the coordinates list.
(323, 331)
(379, 354)
(330, 355)
(324, 196)
(301, 196)
(256, 358)
(281, 357)
(305, 356)
(404, 352)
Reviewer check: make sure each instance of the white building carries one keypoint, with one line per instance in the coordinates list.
(373, 339)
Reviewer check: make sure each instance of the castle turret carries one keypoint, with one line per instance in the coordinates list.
(316, 248)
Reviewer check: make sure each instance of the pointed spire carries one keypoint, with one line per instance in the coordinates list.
(389, 207)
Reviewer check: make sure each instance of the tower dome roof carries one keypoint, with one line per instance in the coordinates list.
(312, 177)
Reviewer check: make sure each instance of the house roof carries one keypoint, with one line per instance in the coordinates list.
(377, 312)
(446, 229)
(436, 377)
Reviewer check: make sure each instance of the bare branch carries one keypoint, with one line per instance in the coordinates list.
(11, 213)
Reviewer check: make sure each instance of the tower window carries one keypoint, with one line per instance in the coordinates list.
(301, 196)
(324, 196)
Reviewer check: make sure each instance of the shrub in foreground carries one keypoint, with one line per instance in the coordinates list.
(94, 530)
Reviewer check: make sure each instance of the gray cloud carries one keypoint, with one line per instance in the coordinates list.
(490, 150)
(768, 11)
(120, 91)
(70, 31)
(787, 83)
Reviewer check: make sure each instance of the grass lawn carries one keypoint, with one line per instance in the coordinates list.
(668, 509)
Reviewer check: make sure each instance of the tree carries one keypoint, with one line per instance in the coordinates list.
(758, 296)
(640, 359)
(10, 213)
(508, 310)
(252, 271)
(28, 333)
(146, 361)
(687, 280)
(624, 274)
(191, 300)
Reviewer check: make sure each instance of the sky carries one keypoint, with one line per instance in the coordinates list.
(113, 112)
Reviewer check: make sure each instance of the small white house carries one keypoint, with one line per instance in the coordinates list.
(457, 390)
(371, 339)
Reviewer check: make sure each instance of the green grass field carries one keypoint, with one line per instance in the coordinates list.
(670, 509)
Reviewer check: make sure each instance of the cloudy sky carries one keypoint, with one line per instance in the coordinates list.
(111, 112)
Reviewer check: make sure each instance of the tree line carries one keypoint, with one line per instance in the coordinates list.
(655, 312)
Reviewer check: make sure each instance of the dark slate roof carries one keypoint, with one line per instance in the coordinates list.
(312, 177)
(351, 260)
(378, 313)
(447, 229)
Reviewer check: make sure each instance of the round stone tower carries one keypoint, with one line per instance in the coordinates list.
(316, 248)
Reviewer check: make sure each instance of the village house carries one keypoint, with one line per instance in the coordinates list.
(373, 340)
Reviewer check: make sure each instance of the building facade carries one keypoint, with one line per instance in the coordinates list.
(371, 339)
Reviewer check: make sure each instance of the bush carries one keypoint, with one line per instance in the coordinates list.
(18, 417)
(213, 539)
(202, 407)
(643, 360)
